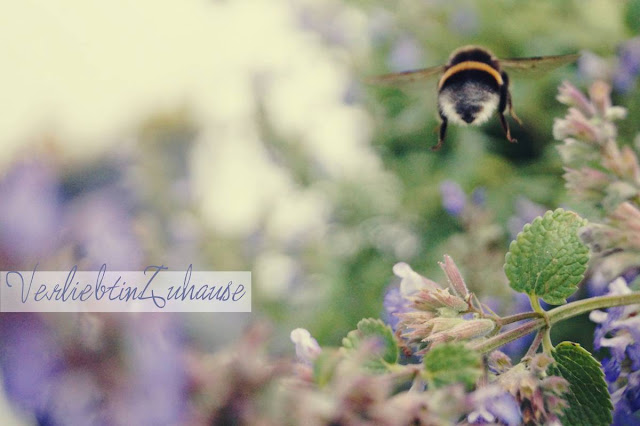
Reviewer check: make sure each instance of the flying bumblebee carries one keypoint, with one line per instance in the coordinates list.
(473, 84)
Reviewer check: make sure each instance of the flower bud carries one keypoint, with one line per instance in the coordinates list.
(570, 95)
(307, 348)
(466, 330)
(412, 282)
(454, 277)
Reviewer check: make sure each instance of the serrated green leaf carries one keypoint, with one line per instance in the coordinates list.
(588, 398)
(548, 259)
(370, 328)
(451, 363)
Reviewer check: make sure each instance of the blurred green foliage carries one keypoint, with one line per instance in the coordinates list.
(405, 123)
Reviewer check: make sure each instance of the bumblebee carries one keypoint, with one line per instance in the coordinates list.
(473, 84)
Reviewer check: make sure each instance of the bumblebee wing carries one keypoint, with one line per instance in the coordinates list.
(537, 64)
(402, 78)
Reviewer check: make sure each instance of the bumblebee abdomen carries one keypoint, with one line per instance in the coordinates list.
(482, 78)
(469, 100)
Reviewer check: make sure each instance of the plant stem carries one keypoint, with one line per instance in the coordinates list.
(547, 346)
(556, 315)
(535, 304)
(503, 338)
(518, 317)
(534, 346)
(586, 305)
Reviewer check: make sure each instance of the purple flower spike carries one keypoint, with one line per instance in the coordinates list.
(394, 303)
(30, 219)
(492, 404)
(453, 197)
(625, 75)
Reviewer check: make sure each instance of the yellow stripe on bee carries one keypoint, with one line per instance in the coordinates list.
(470, 65)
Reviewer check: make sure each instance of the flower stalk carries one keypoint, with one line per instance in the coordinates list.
(556, 315)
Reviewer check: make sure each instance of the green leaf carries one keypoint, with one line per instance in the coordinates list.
(368, 329)
(588, 398)
(451, 363)
(324, 366)
(632, 16)
(548, 259)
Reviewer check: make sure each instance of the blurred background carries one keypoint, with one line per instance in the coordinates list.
(239, 135)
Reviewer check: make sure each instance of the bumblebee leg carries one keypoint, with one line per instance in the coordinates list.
(512, 113)
(505, 102)
(442, 133)
(505, 127)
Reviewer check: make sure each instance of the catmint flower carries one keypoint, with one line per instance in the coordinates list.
(395, 303)
(307, 348)
(453, 197)
(600, 94)
(405, 54)
(349, 395)
(619, 330)
(32, 362)
(412, 282)
(415, 407)
(568, 94)
(456, 282)
(592, 67)
(577, 125)
(587, 120)
(526, 212)
(627, 401)
(425, 327)
(492, 404)
(628, 66)
(618, 241)
(498, 362)
(437, 314)
(465, 330)
(32, 212)
(102, 226)
(586, 183)
(418, 325)
(539, 396)
(479, 196)
(440, 301)
(464, 21)
(155, 394)
(604, 174)
(428, 295)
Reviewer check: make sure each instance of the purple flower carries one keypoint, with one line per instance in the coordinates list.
(526, 212)
(307, 348)
(66, 385)
(453, 197)
(394, 303)
(619, 330)
(479, 196)
(31, 362)
(30, 219)
(492, 404)
(405, 54)
(627, 402)
(597, 284)
(101, 227)
(156, 373)
(592, 67)
(628, 66)
(464, 21)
